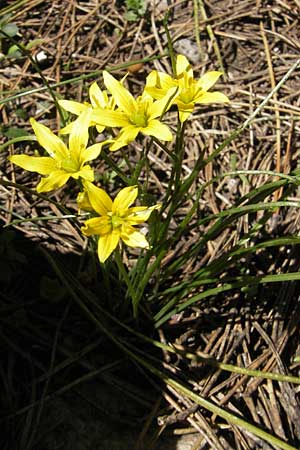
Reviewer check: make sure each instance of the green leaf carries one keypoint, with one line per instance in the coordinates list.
(14, 132)
(10, 28)
(14, 52)
(34, 43)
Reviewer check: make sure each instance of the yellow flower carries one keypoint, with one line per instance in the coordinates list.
(117, 219)
(190, 91)
(63, 162)
(98, 98)
(133, 116)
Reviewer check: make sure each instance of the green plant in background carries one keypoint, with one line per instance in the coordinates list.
(135, 9)
(11, 30)
(8, 33)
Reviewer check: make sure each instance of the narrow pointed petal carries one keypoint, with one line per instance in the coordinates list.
(91, 153)
(110, 118)
(184, 115)
(155, 92)
(140, 214)
(100, 128)
(40, 164)
(72, 106)
(127, 135)
(97, 225)
(49, 141)
(133, 238)
(212, 97)
(185, 110)
(83, 202)
(67, 129)
(116, 145)
(86, 173)
(80, 134)
(123, 98)
(182, 65)
(152, 79)
(107, 244)
(100, 201)
(125, 198)
(159, 107)
(96, 96)
(166, 81)
(208, 80)
(160, 80)
(157, 129)
(55, 180)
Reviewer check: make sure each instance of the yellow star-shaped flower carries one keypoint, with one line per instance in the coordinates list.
(133, 116)
(190, 91)
(98, 99)
(63, 162)
(116, 219)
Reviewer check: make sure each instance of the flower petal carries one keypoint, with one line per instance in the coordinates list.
(100, 201)
(96, 96)
(184, 115)
(72, 106)
(133, 238)
(40, 164)
(83, 202)
(126, 135)
(140, 214)
(67, 129)
(122, 97)
(91, 153)
(212, 97)
(161, 106)
(208, 80)
(79, 136)
(107, 244)
(55, 180)
(86, 173)
(110, 118)
(116, 145)
(100, 128)
(152, 79)
(124, 199)
(183, 65)
(155, 92)
(97, 225)
(157, 129)
(49, 141)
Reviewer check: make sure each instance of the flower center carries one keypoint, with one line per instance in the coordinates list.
(70, 165)
(116, 221)
(187, 95)
(139, 119)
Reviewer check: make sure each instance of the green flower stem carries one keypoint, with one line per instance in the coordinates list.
(17, 139)
(143, 274)
(124, 274)
(170, 44)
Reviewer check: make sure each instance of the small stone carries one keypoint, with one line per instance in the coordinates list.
(188, 48)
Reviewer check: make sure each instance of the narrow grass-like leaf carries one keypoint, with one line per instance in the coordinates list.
(163, 315)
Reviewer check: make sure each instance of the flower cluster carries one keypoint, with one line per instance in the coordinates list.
(117, 109)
